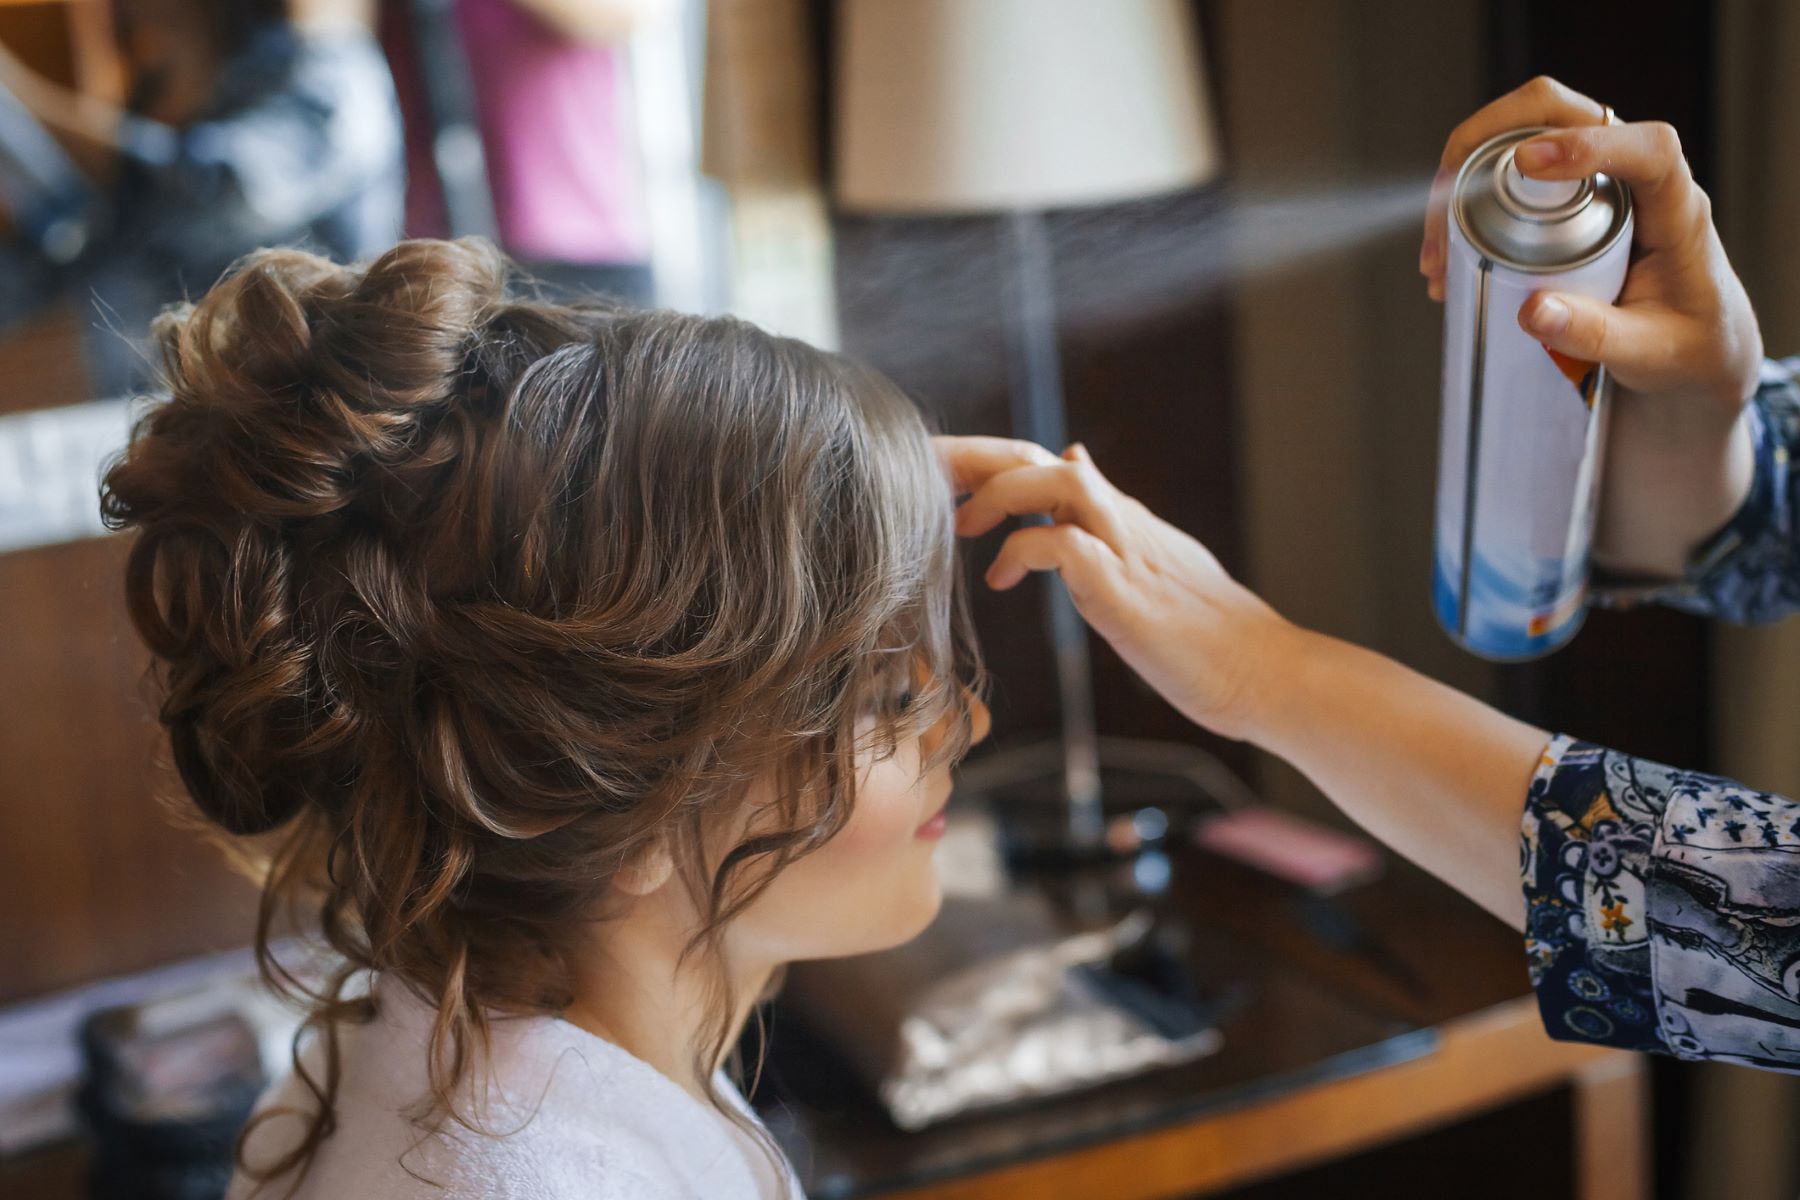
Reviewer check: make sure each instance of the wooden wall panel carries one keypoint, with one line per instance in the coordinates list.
(95, 878)
(40, 362)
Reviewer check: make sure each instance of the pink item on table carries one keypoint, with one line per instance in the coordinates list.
(1311, 856)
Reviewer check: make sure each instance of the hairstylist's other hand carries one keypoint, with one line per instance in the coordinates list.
(1438, 776)
(1683, 324)
(1160, 598)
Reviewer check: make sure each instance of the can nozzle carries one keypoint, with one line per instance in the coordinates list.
(1538, 195)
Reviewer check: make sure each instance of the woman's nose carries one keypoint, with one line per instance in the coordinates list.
(980, 719)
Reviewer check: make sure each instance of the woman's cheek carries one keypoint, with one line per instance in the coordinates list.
(871, 887)
(886, 810)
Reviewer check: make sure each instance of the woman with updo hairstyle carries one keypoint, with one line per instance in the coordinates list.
(568, 670)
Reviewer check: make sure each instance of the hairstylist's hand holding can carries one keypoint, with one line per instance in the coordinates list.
(1681, 343)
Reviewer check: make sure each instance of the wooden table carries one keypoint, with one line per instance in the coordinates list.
(1482, 1061)
(1394, 1010)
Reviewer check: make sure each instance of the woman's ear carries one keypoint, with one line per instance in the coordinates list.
(646, 872)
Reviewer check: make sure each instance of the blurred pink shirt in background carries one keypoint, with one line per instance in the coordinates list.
(561, 153)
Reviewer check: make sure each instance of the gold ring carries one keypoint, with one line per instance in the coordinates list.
(1609, 117)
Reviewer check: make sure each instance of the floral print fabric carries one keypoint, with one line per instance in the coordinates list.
(1662, 908)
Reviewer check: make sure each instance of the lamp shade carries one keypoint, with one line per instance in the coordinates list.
(982, 105)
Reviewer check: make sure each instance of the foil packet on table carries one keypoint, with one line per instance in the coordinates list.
(996, 1004)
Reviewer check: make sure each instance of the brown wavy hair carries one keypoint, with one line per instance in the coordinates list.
(458, 600)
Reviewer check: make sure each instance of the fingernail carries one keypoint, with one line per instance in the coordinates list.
(1081, 452)
(1539, 152)
(1550, 317)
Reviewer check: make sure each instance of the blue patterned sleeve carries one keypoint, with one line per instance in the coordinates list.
(1662, 908)
(1749, 572)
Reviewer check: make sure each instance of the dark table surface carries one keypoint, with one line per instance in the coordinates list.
(1310, 990)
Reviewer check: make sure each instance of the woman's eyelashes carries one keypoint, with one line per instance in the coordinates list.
(894, 705)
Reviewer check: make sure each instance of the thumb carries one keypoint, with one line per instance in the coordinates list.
(1594, 331)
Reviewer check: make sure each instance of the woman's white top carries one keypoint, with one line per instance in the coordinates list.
(565, 1115)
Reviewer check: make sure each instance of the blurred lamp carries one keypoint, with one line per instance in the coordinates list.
(962, 106)
(1014, 107)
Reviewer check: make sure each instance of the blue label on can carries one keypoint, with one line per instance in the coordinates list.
(1505, 621)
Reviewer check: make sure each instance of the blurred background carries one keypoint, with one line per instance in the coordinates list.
(1183, 230)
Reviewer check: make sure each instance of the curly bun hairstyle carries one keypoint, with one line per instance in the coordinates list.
(457, 601)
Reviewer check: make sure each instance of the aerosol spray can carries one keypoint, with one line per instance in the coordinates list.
(1524, 427)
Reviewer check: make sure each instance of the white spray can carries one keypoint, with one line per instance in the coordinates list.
(1523, 427)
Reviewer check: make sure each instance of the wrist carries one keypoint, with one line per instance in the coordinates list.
(1671, 423)
(1287, 662)
(1663, 498)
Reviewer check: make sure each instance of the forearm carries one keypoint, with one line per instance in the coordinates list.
(1666, 490)
(1437, 775)
(84, 125)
